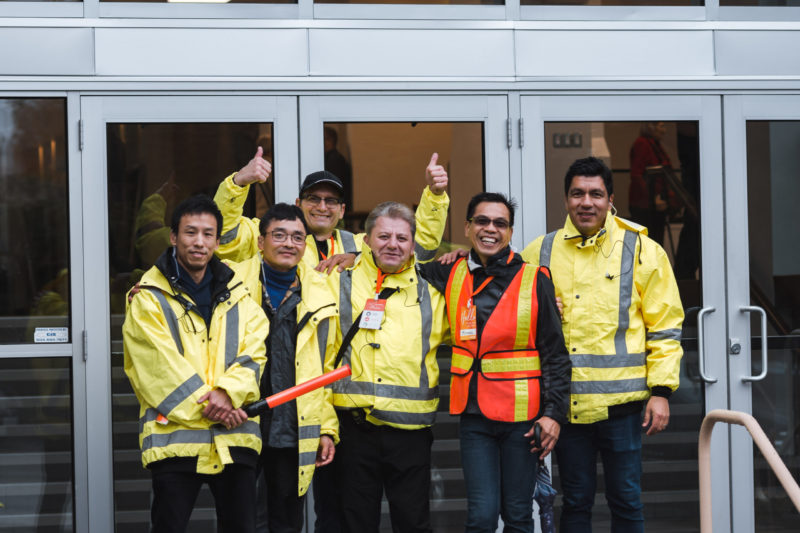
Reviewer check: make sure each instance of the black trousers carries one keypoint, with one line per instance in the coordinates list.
(326, 499)
(234, 490)
(284, 507)
(372, 459)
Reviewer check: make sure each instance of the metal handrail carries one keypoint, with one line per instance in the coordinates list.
(764, 445)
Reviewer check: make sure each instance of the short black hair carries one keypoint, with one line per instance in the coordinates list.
(281, 211)
(200, 204)
(492, 198)
(589, 167)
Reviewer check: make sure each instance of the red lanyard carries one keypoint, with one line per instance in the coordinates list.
(330, 251)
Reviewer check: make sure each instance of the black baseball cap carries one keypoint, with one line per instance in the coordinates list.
(321, 177)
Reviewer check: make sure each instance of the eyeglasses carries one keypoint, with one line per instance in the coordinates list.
(280, 236)
(482, 221)
(330, 201)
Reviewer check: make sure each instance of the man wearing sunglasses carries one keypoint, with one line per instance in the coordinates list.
(509, 369)
(322, 202)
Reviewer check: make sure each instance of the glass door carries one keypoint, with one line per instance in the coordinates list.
(762, 142)
(666, 156)
(142, 156)
(380, 146)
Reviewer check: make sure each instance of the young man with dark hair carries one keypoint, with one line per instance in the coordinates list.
(194, 352)
(622, 326)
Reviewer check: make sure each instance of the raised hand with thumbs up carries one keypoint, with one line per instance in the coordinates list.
(436, 176)
(258, 169)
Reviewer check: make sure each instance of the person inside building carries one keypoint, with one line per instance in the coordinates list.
(509, 369)
(391, 324)
(337, 164)
(649, 196)
(622, 318)
(194, 351)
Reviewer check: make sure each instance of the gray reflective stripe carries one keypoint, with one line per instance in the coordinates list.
(609, 387)
(245, 361)
(248, 428)
(306, 458)
(587, 360)
(169, 315)
(231, 335)
(180, 436)
(308, 432)
(410, 419)
(547, 249)
(322, 339)
(150, 415)
(345, 309)
(426, 314)
(186, 389)
(228, 236)
(625, 290)
(665, 334)
(348, 242)
(392, 392)
(423, 254)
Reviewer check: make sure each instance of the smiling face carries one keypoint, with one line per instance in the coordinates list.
(391, 242)
(486, 238)
(587, 203)
(195, 243)
(320, 213)
(283, 244)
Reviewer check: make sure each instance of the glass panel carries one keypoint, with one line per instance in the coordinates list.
(206, 1)
(772, 192)
(612, 2)
(760, 3)
(151, 168)
(36, 483)
(421, 2)
(656, 167)
(386, 161)
(34, 221)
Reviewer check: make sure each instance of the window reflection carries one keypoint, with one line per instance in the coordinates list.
(205, 1)
(36, 445)
(612, 2)
(34, 222)
(423, 2)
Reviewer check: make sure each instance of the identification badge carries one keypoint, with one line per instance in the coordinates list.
(372, 316)
(467, 324)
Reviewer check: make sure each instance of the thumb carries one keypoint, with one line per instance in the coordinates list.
(646, 421)
(434, 159)
(204, 397)
(259, 153)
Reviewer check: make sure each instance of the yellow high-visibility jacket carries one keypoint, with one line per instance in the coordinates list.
(172, 360)
(239, 239)
(395, 375)
(315, 342)
(622, 314)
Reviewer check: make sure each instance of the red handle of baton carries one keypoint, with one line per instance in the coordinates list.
(291, 393)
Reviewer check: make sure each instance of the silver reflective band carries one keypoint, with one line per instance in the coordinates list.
(245, 361)
(231, 335)
(169, 315)
(410, 419)
(547, 249)
(423, 254)
(664, 335)
(248, 428)
(306, 458)
(186, 389)
(609, 387)
(180, 436)
(348, 242)
(586, 360)
(392, 392)
(426, 314)
(150, 415)
(228, 236)
(308, 432)
(322, 340)
(625, 290)
(345, 309)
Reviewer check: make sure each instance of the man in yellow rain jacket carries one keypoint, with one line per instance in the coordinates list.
(622, 322)
(300, 435)
(391, 323)
(194, 353)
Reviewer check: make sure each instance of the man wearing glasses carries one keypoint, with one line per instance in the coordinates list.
(322, 202)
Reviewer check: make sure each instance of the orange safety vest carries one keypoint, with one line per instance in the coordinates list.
(505, 359)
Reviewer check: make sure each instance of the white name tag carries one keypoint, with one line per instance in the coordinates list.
(51, 335)
(372, 316)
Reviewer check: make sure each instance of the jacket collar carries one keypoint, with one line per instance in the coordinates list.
(167, 265)
(571, 233)
(496, 263)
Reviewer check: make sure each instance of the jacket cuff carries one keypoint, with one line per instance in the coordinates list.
(661, 392)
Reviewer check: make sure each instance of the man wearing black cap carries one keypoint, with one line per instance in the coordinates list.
(321, 200)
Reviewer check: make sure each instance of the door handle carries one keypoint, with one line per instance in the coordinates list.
(756, 309)
(701, 362)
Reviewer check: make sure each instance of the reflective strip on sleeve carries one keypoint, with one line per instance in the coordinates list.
(426, 314)
(245, 361)
(229, 236)
(185, 390)
(547, 249)
(348, 242)
(609, 387)
(586, 360)
(423, 254)
(169, 315)
(231, 335)
(524, 315)
(308, 432)
(625, 290)
(664, 335)
(409, 419)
